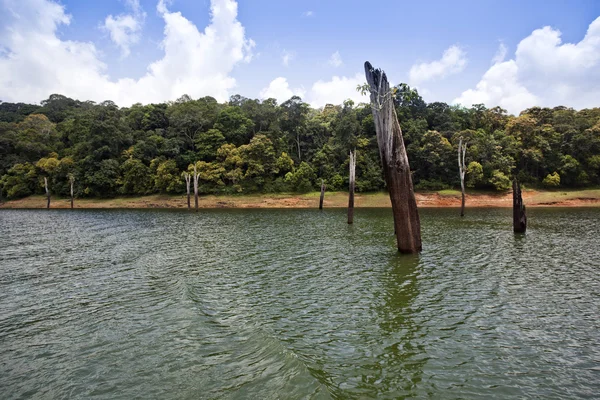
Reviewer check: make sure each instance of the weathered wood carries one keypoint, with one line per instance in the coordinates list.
(322, 194)
(188, 179)
(462, 151)
(196, 177)
(394, 160)
(47, 192)
(519, 214)
(72, 182)
(351, 181)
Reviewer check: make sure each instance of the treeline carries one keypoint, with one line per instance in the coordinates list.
(248, 145)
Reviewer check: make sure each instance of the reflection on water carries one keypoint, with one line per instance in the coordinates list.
(297, 304)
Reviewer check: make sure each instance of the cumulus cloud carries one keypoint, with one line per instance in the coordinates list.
(279, 89)
(500, 86)
(287, 56)
(453, 61)
(336, 90)
(37, 62)
(335, 60)
(544, 72)
(125, 29)
(500, 54)
(308, 14)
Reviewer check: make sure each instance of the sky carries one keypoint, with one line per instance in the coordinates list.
(513, 54)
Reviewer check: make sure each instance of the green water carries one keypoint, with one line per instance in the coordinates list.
(266, 304)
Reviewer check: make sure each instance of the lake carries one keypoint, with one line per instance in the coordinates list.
(266, 304)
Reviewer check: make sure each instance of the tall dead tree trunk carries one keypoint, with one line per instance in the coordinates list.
(196, 176)
(396, 169)
(72, 181)
(351, 185)
(47, 192)
(188, 179)
(322, 194)
(462, 151)
(519, 214)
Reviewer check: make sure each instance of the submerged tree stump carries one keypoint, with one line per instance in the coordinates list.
(394, 160)
(47, 192)
(351, 185)
(322, 194)
(462, 169)
(519, 214)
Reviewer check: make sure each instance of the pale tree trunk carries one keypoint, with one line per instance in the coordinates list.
(462, 151)
(188, 179)
(519, 215)
(322, 194)
(72, 181)
(396, 169)
(196, 176)
(351, 182)
(298, 144)
(47, 192)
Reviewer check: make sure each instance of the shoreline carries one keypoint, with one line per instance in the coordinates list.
(440, 199)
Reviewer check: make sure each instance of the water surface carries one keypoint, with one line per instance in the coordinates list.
(266, 304)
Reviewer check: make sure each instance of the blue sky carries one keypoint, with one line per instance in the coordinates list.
(509, 53)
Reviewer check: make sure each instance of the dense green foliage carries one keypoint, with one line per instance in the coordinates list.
(247, 145)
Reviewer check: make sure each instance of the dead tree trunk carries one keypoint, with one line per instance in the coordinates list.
(188, 179)
(519, 215)
(351, 183)
(47, 192)
(462, 151)
(396, 169)
(72, 181)
(322, 194)
(196, 176)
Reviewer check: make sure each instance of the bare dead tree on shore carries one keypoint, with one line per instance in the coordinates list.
(47, 192)
(462, 151)
(188, 179)
(351, 184)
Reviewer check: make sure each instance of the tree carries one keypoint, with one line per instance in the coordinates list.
(302, 178)
(234, 125)
(136, 177)
(293, 123)
(166, 176)
(552, 180)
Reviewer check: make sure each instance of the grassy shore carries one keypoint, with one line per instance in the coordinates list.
(443, 198)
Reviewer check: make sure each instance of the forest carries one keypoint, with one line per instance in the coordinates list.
(247, 145)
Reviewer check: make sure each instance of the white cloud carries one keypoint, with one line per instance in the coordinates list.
(500, 87)
(38, 62)
(308, 14)
(125, 29)
(287, 56)
(279, 89)
(544, 72)
(453, 61)
(335, 60)
(500, 54)
(336, 91)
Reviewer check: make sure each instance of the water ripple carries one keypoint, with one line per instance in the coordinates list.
(297, 304)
